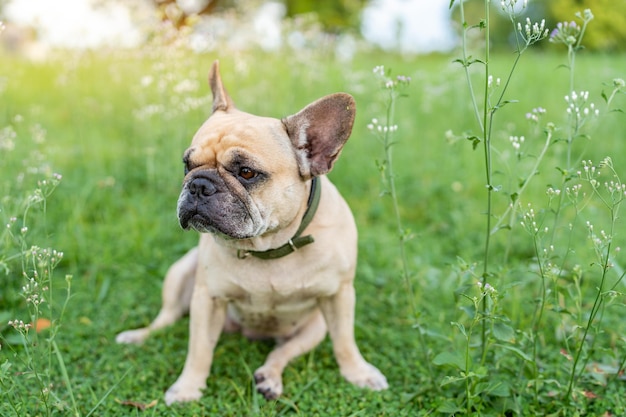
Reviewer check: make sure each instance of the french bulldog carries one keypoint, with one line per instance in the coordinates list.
(278, 244)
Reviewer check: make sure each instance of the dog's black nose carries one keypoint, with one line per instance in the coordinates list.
(201, 187)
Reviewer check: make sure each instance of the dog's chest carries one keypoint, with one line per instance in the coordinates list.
(273, 303)
(271, 316)
(266, 309)
(271, 291)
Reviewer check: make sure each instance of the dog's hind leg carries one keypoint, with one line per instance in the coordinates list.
(176, 297)
(268, 377)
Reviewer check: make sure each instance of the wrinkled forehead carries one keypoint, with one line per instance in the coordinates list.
(225, 135)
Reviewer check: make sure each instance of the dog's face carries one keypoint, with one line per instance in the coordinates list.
(242, 177)
(245, 175)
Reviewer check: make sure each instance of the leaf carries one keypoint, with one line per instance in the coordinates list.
(136, 404)
(5, 316)
(496, 388)
(461, 61)
(517, 351)
(460, 327)
(85, 320)
(451, 4)
(449, 407)
(451, 380)
(603, 94)
(15, 339)
(475, 141)
(454, 359)
(504, 103)
(503, 332)
(480, 25)
(590, 395)
(470, 310)
(407, 397)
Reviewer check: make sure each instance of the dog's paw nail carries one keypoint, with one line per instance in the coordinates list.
(269, 395)
(268, 383)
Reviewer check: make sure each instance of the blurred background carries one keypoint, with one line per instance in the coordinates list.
(34, 27)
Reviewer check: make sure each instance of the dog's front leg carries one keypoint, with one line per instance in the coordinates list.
(207, 316)
(338, 311)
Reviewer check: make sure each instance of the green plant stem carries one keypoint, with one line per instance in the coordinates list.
(573, 132)
(571, 60)
(620, 369)
(396, 205)
(9, 398)
(526, 181)
(106, 394)
(466, 65)
(468, 391)
(609, 100)
(66, 377)
(487, 119)
(401, 232)
(538, 317)
(597, 304)
(579, 351)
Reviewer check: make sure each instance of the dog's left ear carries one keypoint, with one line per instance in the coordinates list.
(319, 131)
(221, 99)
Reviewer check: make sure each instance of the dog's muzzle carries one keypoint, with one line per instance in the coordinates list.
(206, 204)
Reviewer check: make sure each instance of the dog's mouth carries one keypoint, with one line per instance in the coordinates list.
(222, 215)
(210, 204)
(203, 224)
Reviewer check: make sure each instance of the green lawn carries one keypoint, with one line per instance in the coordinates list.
(114, 125)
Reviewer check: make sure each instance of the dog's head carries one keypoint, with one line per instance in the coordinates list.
(246, 175)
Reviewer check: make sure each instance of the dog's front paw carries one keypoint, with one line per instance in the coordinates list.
(136, 336)
(366, 376)
(268, 382)
(182, 392)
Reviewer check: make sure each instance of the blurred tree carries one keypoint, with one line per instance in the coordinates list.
(179, 15)
(333, 15)
(606, 32)
(3, 4)
(500, 27)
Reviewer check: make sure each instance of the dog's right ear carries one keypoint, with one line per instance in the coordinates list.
(221, 99)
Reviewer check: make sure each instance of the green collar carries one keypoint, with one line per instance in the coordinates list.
(297, 241)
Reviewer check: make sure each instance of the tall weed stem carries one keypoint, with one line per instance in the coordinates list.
(392, 90)
(603, 245)
(485, 118)
(385, 132)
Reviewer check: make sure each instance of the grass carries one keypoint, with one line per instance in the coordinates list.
(113, 216)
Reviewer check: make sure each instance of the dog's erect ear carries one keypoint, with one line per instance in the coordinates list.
(221, 99)
(319, 131)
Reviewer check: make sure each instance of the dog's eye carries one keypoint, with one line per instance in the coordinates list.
(246, 173)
